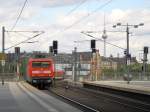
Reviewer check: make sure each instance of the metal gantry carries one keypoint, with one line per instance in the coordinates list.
(3, 38)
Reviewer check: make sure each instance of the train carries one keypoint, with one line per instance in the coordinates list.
(59, 73)
(37, 71)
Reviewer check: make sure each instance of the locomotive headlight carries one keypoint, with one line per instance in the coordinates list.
(48, 81)
(34, 81)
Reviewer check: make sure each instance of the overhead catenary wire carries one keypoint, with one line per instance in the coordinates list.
(21, 34)
(20, 13)
(35, 31)
(98, 39)
(9, 37)
(24, 41)
(88, 15)
(81, 19)
(63, 30)
(75, 8)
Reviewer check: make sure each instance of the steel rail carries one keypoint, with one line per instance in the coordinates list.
(75, 102)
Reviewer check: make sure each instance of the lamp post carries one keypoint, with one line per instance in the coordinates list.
(128, 26)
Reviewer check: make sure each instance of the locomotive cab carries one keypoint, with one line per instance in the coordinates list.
(41, 71)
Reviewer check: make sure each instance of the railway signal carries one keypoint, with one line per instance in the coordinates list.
(125, 52)
(17, 50)
(93, 46)
(145, 50)
(55, 44)
(55, 47)
(51, 50)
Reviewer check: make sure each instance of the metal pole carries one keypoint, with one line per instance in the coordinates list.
(3, 39)
(127, 57)
(74, 67)
(2, 75)
(75, 64)
(79, 67)
(127, 39)
(96, 67)
(91, 68)
(144, 64)
(3, 51)
(55, 69)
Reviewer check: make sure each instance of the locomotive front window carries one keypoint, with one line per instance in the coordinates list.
(40, 64)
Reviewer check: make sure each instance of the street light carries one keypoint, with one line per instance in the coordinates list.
(114, 26)
(128, 26)
(127, 31)
(136, 26)
(141, 24)
(118, 24)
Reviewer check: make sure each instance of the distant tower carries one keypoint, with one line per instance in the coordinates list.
(104, 36)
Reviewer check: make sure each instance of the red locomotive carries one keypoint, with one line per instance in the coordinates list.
(38, 71)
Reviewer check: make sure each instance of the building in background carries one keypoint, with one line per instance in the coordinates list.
(108, 63)
(64, 61)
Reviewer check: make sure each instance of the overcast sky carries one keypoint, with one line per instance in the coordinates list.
(55, 16)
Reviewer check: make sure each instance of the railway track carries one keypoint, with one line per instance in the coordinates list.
(89, 101)
(74, 103)
(126, 101)
(101, 101)
(83, 107)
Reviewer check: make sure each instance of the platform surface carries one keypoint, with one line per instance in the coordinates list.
(18, 97)
(142, 87)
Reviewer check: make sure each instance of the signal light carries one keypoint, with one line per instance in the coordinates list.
(125, 52)
(17, 50)
(145, 50)
(93, 44)
(51, 49)
(55, 44)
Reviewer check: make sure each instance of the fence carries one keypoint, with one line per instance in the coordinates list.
(80, 67)
(8, 72)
